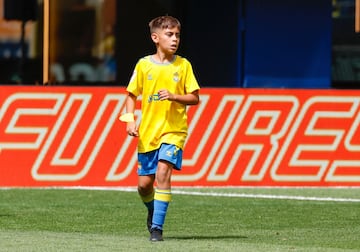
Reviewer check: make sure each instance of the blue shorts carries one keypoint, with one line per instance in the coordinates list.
(148, 161)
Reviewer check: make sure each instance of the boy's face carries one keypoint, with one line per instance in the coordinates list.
(167, 39)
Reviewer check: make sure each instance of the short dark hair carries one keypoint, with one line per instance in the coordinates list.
(164, 22)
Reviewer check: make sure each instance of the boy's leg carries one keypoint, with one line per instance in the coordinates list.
(162, 198)
(170, 157)
(146, 192)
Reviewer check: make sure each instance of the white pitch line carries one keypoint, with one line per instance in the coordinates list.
(266, 196)
(243, 195)
(209, 194)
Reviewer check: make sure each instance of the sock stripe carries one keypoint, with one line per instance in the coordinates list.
(163, 195)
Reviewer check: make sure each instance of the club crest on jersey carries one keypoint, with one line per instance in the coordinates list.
(176, 77)
(149, 77)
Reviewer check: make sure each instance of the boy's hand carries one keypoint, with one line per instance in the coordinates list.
(164, 94)
(186, 99)
(131, 129)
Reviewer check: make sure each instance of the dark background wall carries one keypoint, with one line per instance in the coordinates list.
(233, 43)
(237, 43)
(288, 43)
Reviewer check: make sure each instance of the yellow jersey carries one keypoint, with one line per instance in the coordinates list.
(162, 121)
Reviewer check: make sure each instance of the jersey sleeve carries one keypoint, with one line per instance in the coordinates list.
(191, 83)
(135, 83)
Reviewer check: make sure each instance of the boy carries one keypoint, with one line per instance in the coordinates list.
(167, 84)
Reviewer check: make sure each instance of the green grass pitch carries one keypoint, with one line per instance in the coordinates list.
(199, 219)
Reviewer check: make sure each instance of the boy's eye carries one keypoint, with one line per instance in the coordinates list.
(170, 34)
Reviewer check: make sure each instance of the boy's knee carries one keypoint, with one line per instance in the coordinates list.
(145, 190)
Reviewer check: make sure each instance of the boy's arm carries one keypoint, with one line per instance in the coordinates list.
(130, 103)
(187, 99)
(131, 128)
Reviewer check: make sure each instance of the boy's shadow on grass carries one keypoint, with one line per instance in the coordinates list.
(207, 237)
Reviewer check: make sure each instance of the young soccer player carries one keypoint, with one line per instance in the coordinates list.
(167, 84)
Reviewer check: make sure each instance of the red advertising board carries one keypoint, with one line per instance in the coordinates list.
(71, 136)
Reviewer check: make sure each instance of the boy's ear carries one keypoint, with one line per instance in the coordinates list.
(154, 37)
